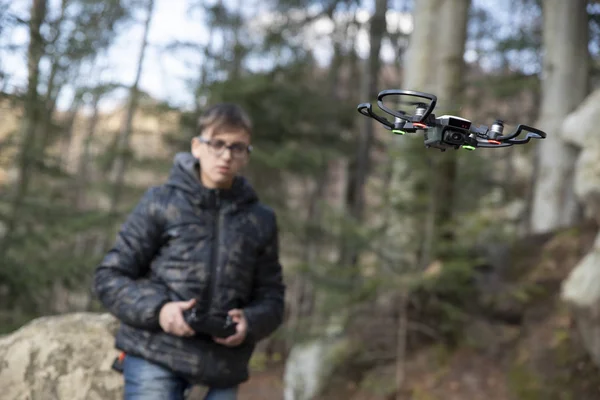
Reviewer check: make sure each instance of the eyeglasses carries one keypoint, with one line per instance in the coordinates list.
(217, 147)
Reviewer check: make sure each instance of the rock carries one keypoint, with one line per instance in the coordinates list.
(310, 365)
(581, 123)
(69, 357)
(587, 181)
(581, 291)
(580, 130)
(61, 357)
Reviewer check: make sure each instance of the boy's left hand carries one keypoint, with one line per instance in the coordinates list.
(237, 338)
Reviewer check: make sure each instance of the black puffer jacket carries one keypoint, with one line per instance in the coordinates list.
(185, 241)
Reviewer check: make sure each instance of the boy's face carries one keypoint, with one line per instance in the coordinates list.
(222, 155)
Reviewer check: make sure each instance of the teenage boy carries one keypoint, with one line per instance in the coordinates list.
(194, 275)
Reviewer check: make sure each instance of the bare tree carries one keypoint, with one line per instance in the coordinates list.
(565, 83)
(361, 163)
(123, 139)
(434, 63)
(30, 120)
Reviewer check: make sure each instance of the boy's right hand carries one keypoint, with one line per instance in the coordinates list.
(171, 318)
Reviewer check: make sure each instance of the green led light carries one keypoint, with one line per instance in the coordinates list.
(467, 147)
(398, 132)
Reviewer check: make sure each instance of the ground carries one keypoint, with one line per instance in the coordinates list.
(537, 355)
(264, 385)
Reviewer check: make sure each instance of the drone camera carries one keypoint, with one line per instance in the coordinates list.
(450, 132)
(444, 137)
(454, 137)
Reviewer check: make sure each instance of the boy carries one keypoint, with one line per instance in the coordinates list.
(194, 275)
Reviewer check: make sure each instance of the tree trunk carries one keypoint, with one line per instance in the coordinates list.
(434, 63)
(377, 31)
(565, 83)
(449, 83)
(204, 72)
(419, 74)
(360, 166)
(420, 56)
(68, 136)
(53, 85)
(31, 118)
(125, 134)
(302, 294)
(401, 334)
(237, 48)
(84, 159)
(45, 125)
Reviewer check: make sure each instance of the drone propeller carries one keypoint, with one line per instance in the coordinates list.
(422, 112)
(400, 126)
(367, 110)
(493, 137)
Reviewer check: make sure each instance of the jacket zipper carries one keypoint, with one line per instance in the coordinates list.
(215, 256)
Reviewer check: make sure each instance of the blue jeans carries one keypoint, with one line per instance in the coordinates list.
(147, 381)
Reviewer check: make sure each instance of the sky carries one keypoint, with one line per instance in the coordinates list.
(162, 72)
(166, 74)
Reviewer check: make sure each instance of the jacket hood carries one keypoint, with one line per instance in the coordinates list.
(184, 176)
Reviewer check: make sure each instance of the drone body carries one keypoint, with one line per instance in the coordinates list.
(447, 131)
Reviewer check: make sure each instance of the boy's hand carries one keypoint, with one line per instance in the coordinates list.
(237, 338)
(171, 318)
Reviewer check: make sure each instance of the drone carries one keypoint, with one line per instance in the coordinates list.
(446, 131)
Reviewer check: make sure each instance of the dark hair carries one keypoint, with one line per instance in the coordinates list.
(224, 116)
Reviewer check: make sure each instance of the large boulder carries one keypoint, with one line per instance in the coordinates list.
(61, 357)
(310, 366)
(580, 129)
(581, 290)
(69, 357)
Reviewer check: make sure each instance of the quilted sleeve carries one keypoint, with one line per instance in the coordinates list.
(118, 281)
(265, 312)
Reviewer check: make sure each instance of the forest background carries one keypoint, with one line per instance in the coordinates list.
(380, 236)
